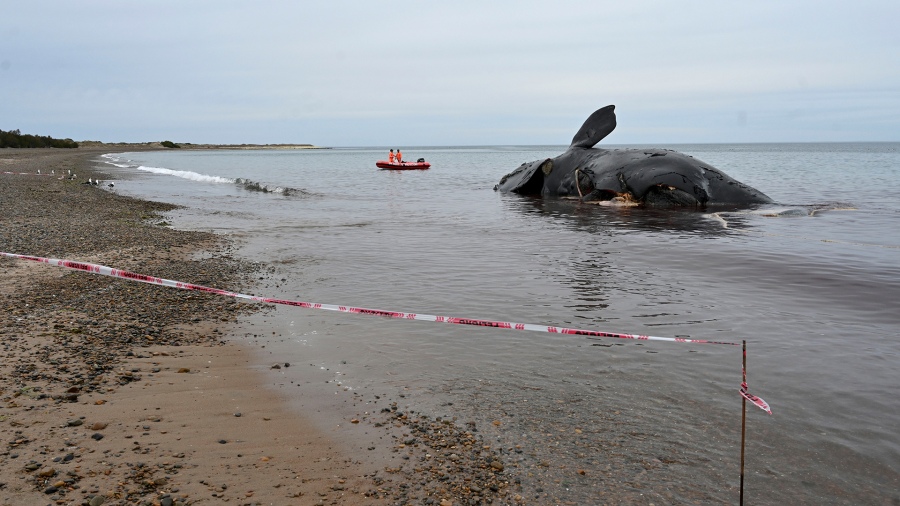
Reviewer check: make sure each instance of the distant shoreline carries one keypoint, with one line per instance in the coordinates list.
(188, 145)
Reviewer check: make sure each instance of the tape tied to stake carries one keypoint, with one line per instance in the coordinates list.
(757, 401)
(133, 276)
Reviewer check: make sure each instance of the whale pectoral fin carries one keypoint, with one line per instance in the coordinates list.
(598, 125)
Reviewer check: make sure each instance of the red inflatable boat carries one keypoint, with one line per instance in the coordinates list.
(383, 164)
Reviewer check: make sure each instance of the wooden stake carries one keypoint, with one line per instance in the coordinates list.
(743, 417)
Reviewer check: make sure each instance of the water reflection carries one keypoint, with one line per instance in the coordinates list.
(590, 281)
(597, 219)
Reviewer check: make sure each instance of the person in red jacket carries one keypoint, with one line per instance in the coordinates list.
(391, 156)
(399, 156)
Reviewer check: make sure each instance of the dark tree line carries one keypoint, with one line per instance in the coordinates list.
(15, 139)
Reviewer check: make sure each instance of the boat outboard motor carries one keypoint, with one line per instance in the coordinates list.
(420, 160)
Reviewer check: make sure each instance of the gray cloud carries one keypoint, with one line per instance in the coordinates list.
(365, 73)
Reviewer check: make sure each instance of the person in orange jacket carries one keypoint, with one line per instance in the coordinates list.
(391, 156)
(399, 156)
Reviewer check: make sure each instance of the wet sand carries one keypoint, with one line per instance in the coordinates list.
(115, 392)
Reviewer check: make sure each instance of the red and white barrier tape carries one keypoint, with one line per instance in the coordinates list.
(118, 273)
(757, 401)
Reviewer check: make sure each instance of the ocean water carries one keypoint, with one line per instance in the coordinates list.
(811, 283)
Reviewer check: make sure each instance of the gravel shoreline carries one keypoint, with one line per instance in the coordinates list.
(93, 318)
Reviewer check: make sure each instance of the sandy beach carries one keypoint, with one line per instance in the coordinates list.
(116, 392)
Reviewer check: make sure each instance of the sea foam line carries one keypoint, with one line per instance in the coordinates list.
(246, 184)
(186, 174)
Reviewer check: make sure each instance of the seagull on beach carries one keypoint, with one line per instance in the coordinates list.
(111, 184)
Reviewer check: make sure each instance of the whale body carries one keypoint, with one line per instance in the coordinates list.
(642, 177)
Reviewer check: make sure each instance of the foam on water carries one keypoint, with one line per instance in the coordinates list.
(244, 183)
(116, 161)
(186, 174)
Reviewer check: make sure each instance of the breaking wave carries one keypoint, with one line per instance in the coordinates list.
(186, 174)
(245, 184)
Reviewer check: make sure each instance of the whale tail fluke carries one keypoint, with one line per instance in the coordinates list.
(595, 128)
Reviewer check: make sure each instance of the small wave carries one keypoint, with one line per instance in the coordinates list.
(729, 218)
(780, 212)
(117, 161)
(726, 218)
(206, 178)
(259, 187)
(831, 206)
(186, 174)
(802, 210)
(789, 211)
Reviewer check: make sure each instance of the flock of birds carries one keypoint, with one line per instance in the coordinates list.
(73, 177)
(96, 182)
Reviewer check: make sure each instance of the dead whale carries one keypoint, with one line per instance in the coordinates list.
(641, 177)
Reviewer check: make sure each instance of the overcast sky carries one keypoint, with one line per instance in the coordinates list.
(414, 73)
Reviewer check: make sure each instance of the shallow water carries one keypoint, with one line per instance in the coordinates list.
(813, 291)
